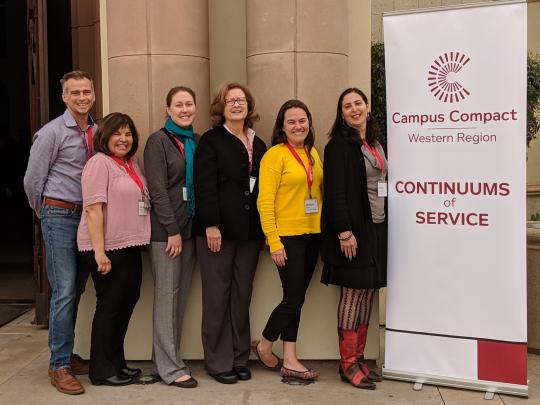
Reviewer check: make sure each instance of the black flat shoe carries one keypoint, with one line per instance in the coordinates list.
(227, 377)
(242, 372)
(130, 372)
(114, 381)
(190, 383)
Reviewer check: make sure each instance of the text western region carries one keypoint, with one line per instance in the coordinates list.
(460, 137)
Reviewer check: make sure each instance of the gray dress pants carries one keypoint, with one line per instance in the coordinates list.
(227, 280)
(172, 280)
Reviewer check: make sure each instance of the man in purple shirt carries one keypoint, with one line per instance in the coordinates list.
(52, 183)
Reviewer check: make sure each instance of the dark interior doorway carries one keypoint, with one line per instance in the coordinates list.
(16, 271)
(17, 82)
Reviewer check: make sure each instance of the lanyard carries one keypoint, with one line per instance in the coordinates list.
(131, 171)
(309, 170)
(375, 152)
(181, 147)
(250, 155)
(87, 142)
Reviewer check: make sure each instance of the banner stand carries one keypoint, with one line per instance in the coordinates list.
(491, 388)
(456, 309)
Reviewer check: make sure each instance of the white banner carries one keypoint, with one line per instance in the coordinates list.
(456, 104)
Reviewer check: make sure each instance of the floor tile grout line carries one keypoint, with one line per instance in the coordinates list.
(440, 394)
(26, 365)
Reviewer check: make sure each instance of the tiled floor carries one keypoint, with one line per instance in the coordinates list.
(23, 380)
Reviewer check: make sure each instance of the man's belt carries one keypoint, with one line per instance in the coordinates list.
(62, 204)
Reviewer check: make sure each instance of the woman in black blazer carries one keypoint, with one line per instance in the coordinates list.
(354, 227)
(226, 172)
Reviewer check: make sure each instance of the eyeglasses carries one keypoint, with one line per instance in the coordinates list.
(240, 100)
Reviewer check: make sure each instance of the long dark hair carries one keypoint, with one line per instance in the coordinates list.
(341, 128)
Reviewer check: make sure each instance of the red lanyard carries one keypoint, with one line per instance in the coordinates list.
(309, 170)
(88, 143)
(181, 147)
(131, 171)
(375, 152)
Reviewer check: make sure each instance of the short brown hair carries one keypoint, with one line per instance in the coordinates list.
(108, 125)
(177, 89)
(218, 104)
(77, 75)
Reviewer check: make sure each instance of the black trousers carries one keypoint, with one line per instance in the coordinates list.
(302, 253)
(227, 281)
(116, 295)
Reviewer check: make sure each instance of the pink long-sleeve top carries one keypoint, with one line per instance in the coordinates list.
(104, 180)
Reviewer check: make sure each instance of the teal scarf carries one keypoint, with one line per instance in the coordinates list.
(185, 135)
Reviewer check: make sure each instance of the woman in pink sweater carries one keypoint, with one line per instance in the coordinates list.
(114, 225)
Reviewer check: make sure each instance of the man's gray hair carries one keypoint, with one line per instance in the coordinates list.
(75, 74)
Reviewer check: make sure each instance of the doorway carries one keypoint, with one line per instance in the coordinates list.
(35, 50)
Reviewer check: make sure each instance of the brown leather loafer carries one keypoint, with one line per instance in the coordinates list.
(65, 382)
(79, 366)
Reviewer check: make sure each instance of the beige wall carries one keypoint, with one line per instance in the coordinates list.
(359, 36)
(131, 56)
(227, 23)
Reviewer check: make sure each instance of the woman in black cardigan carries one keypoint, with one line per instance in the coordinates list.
(226, 172)
(354, 228)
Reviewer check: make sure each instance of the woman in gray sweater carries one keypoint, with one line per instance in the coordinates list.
(168, 160)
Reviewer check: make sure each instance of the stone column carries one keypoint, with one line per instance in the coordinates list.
(154, 45)
(297, 49)
(85, 26)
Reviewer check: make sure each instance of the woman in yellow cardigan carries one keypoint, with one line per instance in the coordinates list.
(290, 203)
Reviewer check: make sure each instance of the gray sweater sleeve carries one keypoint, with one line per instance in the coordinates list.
(155, 163)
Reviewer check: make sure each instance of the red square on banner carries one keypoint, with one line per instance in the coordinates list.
(503, 362)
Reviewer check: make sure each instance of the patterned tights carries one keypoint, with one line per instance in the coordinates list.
(354, 307)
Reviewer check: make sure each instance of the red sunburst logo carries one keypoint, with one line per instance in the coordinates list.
(442, 80)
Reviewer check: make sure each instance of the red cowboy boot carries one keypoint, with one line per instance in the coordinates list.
(349, 369)
(371, 374)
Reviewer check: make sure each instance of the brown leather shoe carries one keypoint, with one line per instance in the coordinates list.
(79, 366)
(65, 382)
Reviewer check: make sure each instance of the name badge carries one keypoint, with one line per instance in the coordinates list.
(252, 181)
(382, 189)
(184, 193)
(311, 206)
(143, 208)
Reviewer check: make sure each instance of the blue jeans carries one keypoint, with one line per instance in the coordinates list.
(59, 228)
